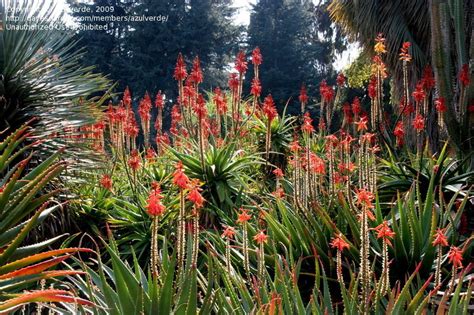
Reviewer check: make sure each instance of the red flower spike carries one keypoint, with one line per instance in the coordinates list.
(339, 243)
(455, 257)
(295, 146)
(134, 160)
(404, 53)
(179, 177)
(154, 205)
(106, 182)
(220, 101)
(256, 57)
(303, 95)
(419, 123)
(356, 108)
(256, 87)
(180, 72)
(372, 88)
(196, 73)
(419, 94)
(243, 217)
(150, 154)
(233, 81)
(261, 237)
(228, 233)
(440, 238)
(278, 172)
(145, 107)
(362, 124)
(365, 197)
(385, 232)
(440, 105)
(307, 124)
(269, 108)
(159, 101)
(241, 63)
(340, 80)
(326, 91)
(200, 107)
(464, 76)
(127, 97)
(194, 194)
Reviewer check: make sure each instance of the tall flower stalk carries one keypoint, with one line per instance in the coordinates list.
(181, 181)
(340, 244)
(201, 112)
(256, 88)
(242, 220)
(385, 233)
(307, 129)
(155, 209)
(144, 109)
(228, 234)
(261, 238)
(439, 241)
(180, 75)
(159, 103)
(270, 112)
(241, 66)
(405, 57)
(379, 74)
(194, 195)
(364, 199)
(455, 258)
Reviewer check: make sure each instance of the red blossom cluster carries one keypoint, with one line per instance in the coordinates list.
(404, 52)
(241, 63)
(269, 108)
(307, 126)
(326, 91)
(180, 72)
(154, 206)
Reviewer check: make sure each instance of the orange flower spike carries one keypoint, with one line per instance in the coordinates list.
(194, 194)
(278, 172)
(154, 205)
(243, 217)
(379, 47)
(339, 243)
(179, 177)
(404, 52)
(228, 233)
(362, 124)
(365, 197)
(440, 238)
(385, 232)
(261, 237)
(419, 123)
(106, 182)
(455, 257)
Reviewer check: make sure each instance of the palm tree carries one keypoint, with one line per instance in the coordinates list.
(41, 74)
(441, 34)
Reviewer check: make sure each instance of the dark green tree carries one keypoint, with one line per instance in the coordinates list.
(142, 54)
(296, 41)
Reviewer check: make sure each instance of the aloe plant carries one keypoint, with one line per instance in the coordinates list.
(24, 206)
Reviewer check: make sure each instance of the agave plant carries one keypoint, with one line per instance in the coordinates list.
(23, 207)
(225, 174)
(122, 288)
(450, 175)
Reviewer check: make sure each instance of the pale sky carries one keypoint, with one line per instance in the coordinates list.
(243, 18)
